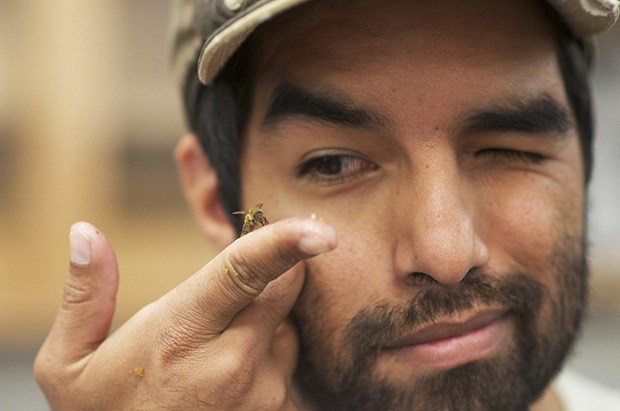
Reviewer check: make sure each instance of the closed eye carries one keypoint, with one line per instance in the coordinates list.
(511, 155)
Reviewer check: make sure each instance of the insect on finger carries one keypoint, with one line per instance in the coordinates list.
(254, 219)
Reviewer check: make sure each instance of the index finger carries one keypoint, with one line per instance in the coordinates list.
(228, 283)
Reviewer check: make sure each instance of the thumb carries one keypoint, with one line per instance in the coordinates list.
(89, 296)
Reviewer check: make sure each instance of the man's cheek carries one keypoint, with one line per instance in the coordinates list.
(524, 231)
(331, 277)
(340, 283)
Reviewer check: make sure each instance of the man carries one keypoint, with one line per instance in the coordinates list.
(448, 144)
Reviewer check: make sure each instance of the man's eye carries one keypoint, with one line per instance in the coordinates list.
(512, 155)
(334, 167)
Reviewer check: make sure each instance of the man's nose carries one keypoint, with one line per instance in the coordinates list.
(440, 239)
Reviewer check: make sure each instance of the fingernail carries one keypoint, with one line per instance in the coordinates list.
(318, 242)
(80, 238)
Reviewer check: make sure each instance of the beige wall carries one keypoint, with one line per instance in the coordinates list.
(84, 87)
(88, 118)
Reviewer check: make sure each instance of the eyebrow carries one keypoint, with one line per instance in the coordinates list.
(539, 115)
(292, 101)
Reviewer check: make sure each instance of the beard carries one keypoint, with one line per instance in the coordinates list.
(546, 325)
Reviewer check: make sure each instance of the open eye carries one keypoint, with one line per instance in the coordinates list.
(334, 167)
(504, 154)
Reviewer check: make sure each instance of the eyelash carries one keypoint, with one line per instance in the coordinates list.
(334, 168)
(512, 155)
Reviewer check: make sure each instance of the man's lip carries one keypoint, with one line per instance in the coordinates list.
(450, 327)
(450, 341)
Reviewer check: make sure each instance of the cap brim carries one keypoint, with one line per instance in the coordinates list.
(223, 43)
(587, 17)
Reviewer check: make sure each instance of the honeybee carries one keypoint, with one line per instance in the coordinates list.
(254, 219)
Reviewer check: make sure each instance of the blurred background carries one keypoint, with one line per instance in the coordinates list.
(89, 116)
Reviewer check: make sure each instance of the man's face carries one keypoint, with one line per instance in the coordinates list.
(439, 142)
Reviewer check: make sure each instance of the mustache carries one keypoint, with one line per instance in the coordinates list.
(382, 325)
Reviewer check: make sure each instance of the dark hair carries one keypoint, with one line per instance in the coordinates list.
(217, 113)
(574, 61)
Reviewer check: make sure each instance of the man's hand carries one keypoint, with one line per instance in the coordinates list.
(219, 340)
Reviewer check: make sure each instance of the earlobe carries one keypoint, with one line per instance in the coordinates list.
(200, 186)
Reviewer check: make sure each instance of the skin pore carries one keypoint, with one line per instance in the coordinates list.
(441, 147)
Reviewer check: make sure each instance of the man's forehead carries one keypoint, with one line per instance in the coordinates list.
(369, 19)
(412, 34)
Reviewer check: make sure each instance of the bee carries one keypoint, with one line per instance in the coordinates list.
(253, 219)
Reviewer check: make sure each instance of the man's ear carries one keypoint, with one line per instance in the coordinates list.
(200, 185)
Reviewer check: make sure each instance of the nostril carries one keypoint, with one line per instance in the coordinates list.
(418, 278)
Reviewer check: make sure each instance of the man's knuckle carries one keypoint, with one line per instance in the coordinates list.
(51, 377)
(238, 373)
(243, 274)
(74, 294)
(42, 371)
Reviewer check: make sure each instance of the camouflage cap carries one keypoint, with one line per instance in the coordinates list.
(218, 27)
